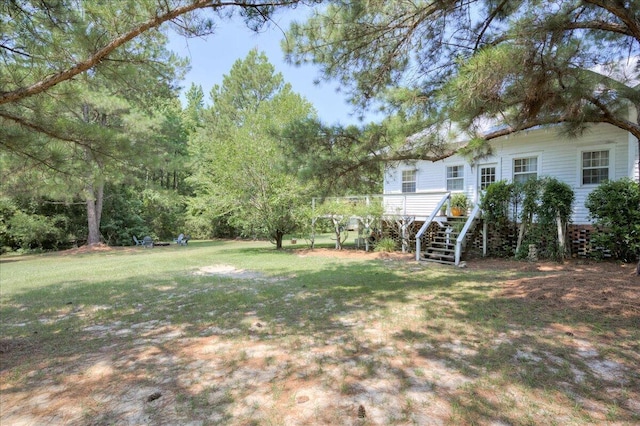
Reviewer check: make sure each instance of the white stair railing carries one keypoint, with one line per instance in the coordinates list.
(463, 234)
(427, 222)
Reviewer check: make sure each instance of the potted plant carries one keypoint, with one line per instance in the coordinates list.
(459, 204)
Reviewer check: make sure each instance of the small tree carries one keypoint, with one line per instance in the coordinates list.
(338, 212)
(615, 207)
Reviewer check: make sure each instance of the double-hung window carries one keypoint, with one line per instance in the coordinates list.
(408, 181)
(595, 167)
(525, 169)
(455, 178)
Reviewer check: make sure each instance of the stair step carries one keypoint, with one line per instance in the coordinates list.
(445, 262)
(448, 247)
(439, 256)
(442, 252)
(444, 240)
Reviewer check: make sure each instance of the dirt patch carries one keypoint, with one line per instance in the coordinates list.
(606, 287)
(233, 272)
(354, 254)
(95, 248)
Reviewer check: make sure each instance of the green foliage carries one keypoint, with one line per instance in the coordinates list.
(545, 201)
(386, 245)
(497, 203)
(122, 216)
(556, 201)
(522, 63)
(129, 211)
(239, 171)
(461, 201)
(34, 231)
(39, 224)
(335, 160)
(536, 205)
(7, 210)
(615, 207)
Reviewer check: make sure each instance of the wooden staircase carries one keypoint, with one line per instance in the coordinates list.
(442, 247)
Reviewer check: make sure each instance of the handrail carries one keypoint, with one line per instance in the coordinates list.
(427, 222)
(463, 234)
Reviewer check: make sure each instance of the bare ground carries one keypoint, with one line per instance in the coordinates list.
(153, 373)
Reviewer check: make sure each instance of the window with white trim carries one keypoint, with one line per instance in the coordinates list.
(595, 167)
(455, 178)
(409, 181)
(525, 169)
(487, 176)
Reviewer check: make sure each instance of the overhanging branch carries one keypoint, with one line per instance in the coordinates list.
(94, 59)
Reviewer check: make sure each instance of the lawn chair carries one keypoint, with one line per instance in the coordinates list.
(137, 241)
(182, 240)
(147, 242)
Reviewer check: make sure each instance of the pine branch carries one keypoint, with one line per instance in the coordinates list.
(98, 56)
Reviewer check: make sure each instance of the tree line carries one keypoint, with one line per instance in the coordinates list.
(88, 100)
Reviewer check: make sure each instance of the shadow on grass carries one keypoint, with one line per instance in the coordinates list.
(547, 334)
(488, 342)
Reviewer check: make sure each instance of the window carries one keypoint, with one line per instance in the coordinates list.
(455, 178)
(525, 169)
(487, 176)
(595, 167)
(408, 181)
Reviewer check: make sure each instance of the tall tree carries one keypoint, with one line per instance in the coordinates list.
(74, 73)
(238, 166)
(97, 129)
(335, 160)
(193, 112)
(526, 63)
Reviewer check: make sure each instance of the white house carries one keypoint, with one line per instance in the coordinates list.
(603, 152)
(415, 191)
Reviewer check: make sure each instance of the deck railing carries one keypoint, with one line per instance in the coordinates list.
(418, 204)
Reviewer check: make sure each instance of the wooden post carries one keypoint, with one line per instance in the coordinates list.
(485, 237)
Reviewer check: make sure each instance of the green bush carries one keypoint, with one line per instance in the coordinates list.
(544, 201)
(615, 208)
(33, 231)
(386, 244)
(497, 203)
(537, 203)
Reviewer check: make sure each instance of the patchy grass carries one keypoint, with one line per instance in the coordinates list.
(238, 333)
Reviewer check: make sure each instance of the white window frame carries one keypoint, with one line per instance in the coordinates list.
(494, 166)
(405, 181)
(610, 167)
(525, 157)
(456, 178)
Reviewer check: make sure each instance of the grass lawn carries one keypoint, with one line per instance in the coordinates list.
(236, 333)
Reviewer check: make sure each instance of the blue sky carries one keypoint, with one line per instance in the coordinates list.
(213, 56)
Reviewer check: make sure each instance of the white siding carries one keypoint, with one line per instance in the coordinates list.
(557, 157)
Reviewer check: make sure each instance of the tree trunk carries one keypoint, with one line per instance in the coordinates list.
(521, 232)
(336, 227)
(279, 237)
(94, 211)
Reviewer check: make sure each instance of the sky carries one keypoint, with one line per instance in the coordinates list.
(213, 56)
